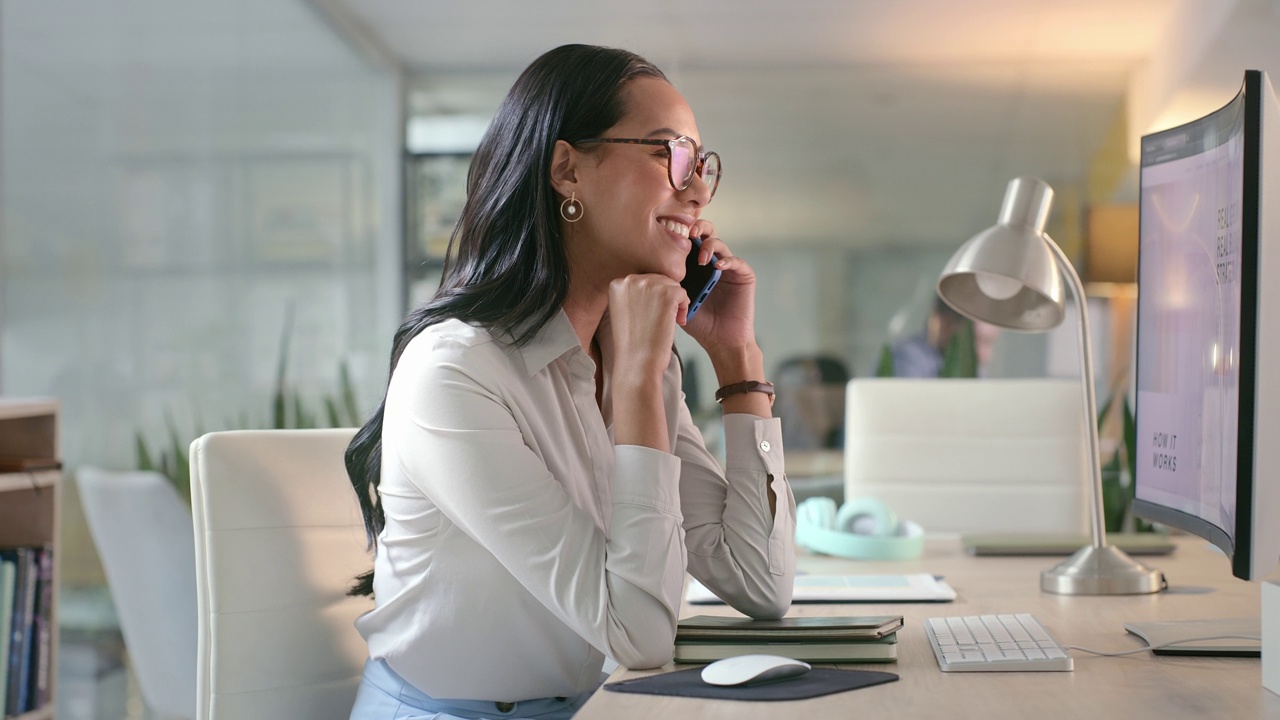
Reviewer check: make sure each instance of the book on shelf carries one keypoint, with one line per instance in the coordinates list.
(42, 631)
(812, 639)
(20, 629)
(8, 587)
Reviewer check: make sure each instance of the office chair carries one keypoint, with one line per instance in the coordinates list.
(811, 401)
(279, 539)
(970, 455)
(143, 533)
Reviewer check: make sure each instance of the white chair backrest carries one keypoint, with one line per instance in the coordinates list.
(970, 455)
(142, 530)
(279, 540)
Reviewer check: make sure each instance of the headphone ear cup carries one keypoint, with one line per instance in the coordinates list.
(821, 528)
(818, 512)
(867, 516)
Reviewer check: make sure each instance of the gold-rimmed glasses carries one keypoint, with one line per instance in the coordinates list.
(684, 160)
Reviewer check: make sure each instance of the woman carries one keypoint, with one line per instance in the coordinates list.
(533, 480)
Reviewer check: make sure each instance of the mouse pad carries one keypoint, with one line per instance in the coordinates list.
(816, 682)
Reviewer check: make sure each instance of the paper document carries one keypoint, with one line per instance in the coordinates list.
(918, 587)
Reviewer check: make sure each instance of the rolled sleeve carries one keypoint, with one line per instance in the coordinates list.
(762, 458)
(737, 547)
(648, 477)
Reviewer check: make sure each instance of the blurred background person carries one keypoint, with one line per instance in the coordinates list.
(923, 354)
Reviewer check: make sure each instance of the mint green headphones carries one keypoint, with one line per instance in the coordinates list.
(862, 529)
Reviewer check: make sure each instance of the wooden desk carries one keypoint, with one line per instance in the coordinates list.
(1135, 686)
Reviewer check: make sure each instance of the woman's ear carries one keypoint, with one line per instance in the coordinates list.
(564, 168)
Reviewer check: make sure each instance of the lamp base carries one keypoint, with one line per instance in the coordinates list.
(1101, 570)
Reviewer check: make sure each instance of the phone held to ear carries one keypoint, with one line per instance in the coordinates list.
(698, 279)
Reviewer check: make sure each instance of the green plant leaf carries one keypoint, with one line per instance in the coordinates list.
(1105, 409)
(884, 368)
(348, 394)
(1130, 438)
(1114, 502)
(1131, 451)
(960, 359)
(301, 418)
(166, 466)
(144, 455)
(331, 412)
(180, 471)
(279, 401)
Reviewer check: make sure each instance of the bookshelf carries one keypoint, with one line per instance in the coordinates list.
(30, 484)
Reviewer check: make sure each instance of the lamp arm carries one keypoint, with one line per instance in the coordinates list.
(1097, 526)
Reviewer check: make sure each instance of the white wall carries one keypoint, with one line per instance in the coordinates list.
(177, 176)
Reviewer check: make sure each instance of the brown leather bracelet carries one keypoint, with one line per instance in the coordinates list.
(760, 386)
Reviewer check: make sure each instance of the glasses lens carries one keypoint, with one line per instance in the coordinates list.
(684, 156)
(711, 171)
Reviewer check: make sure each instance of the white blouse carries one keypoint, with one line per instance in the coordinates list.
(522, 546)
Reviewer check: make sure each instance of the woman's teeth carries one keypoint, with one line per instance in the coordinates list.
(675, 227)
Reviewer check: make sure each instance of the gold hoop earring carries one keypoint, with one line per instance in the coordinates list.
(571, 208)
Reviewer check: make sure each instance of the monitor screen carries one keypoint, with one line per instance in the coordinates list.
(1202, 369)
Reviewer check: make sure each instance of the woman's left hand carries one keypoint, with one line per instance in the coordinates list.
(727, 317)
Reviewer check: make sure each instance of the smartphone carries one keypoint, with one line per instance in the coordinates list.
(698, 279)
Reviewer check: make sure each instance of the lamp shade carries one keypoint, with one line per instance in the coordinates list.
(1006, 275)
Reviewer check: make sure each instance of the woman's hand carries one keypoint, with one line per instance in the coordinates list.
(641, 325)
(727, 317)
(725, 325)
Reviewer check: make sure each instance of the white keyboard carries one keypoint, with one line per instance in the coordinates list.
(993, 643)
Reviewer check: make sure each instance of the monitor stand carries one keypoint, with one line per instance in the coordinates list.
(1185, 632)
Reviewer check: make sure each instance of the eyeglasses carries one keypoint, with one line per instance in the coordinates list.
(684, 160)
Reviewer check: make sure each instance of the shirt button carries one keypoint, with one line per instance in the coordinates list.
(764, 445)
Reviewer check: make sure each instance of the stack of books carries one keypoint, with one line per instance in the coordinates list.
(865, 639)
(26, 602)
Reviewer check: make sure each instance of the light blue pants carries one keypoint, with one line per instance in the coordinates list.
(384, 695)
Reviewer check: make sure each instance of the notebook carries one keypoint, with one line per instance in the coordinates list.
(1046, 544)
(826, 628)
(873, 638)
(875, 650)
(918, 587)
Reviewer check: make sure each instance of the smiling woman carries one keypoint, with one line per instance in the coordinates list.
(533, 486)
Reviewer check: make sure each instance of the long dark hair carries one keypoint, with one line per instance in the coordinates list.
(506, 268)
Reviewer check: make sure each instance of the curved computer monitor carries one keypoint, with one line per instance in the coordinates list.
(1208, 325)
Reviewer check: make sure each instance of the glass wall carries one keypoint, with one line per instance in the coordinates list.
(186, 186)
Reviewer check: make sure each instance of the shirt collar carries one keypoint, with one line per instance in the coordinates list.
(555, 339)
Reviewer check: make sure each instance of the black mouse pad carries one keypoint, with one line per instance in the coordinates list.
(816, 682)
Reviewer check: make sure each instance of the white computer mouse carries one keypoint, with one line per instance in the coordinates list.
(752, 669)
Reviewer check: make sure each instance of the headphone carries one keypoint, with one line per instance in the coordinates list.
(862, 529)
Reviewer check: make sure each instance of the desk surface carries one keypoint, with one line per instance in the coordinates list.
(1134, 686)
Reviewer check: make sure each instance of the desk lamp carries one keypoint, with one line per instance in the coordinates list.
(1010, 275)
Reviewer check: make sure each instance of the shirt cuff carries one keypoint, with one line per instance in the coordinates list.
(648, 477)
(753, 443)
